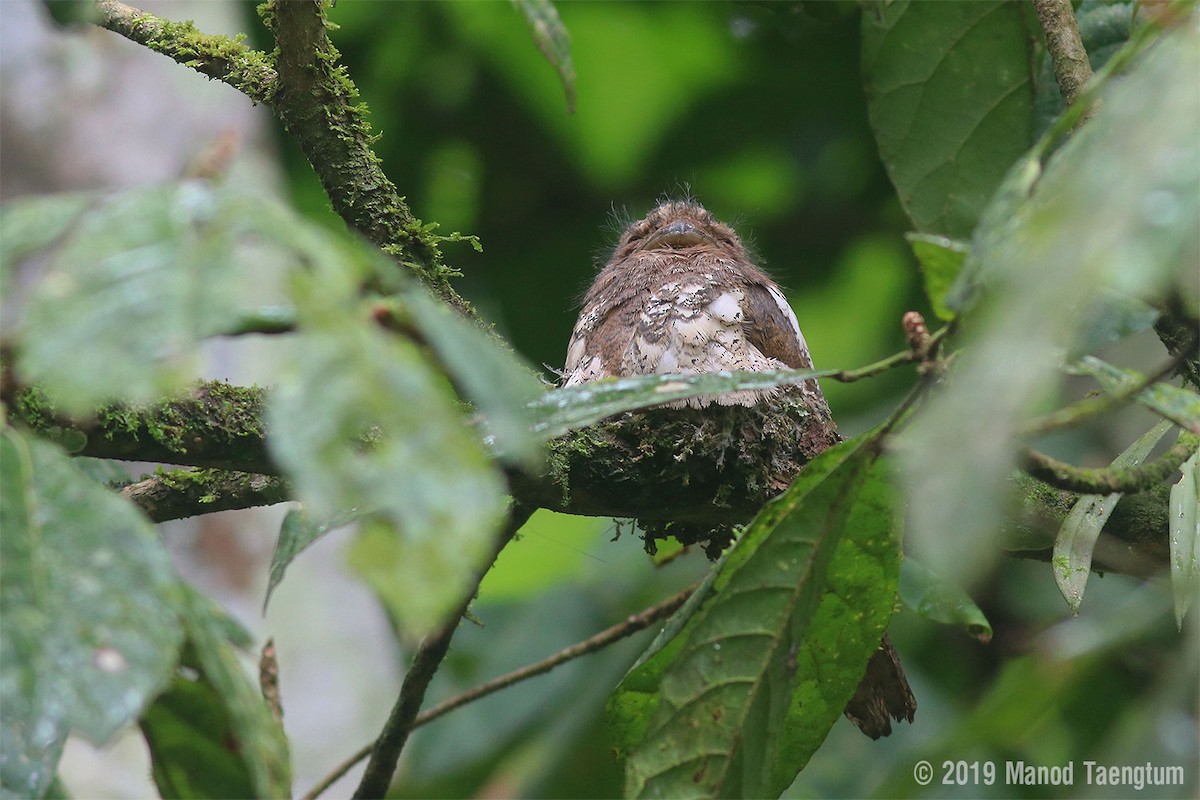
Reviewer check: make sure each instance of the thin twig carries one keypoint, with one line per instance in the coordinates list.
(386, 751)
(928, 346)
(1086, 480)
(627, 627)
(1093, 406)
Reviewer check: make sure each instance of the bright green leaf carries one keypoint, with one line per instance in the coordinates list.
(940, 600)
(950, 99)
(758, 667)
(940, 259)
(211, 735)
(1072, 559)
(363, 424)
(1180, 405)
(552, 39)
(1184, 528)
(89, 599)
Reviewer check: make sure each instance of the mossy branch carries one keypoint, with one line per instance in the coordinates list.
(1108, 480)
(221, 58)
(182, 493)
(218, 426)
(311, 93)
(1135, 540)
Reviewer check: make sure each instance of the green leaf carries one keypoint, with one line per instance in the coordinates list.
(552, 39)
(491, 377)
(212, 734)
(1184, 528)
(941, 259)
(297, 532)
(142, 278)
(187, 731)
(561, 410)
(763, 662)
(940, 600)
(1180, 405)
(1072, 559)
(1000, 220)
(950, 100)
(363, 424)
(1110, 318)
(1096, 220)
(89, 599)
(32, 224)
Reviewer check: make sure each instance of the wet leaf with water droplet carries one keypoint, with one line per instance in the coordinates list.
(89, 600)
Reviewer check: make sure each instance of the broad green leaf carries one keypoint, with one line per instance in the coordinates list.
(141, 279)
(1072, 559)
(89, 600)
(940, 259)
(297, 532)
(1184, 528)
(491, 377)
(363, 424)
(552, 39)
(561, 410)
(762, 663)
(212, 734)
(940, 600)
(950, 100)
(1180, 405)
(1096, 220)
(31, 224)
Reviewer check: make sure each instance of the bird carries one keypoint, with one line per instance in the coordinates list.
(680, 294)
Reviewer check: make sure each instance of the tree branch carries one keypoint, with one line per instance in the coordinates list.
(218, 426)
(1070, 60)
(1108, 480)
(178, 494)
(627, 627)
(219, 57)
(1089, 407)
(386, 752)
(1135, 538)
(316, 100)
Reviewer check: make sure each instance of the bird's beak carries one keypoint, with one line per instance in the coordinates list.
(676, 234)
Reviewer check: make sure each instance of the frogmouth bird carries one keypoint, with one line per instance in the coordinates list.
(681, 295)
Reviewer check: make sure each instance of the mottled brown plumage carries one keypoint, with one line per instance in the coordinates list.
(681, 295)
